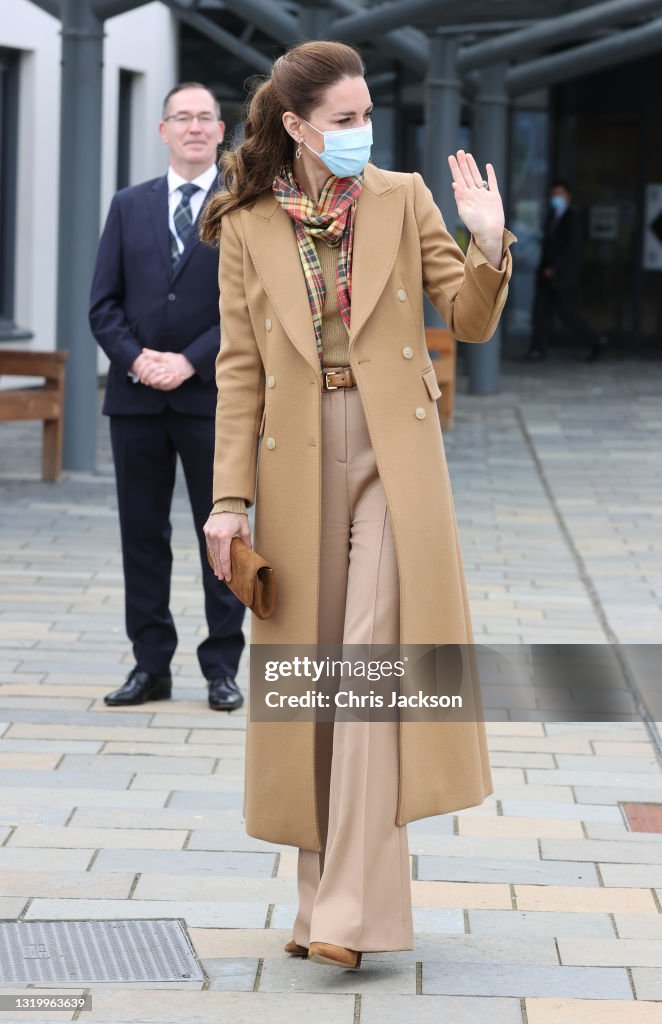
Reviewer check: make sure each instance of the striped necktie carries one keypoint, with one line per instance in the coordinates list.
(183, 219)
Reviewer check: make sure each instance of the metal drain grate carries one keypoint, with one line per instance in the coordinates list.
(95, 951)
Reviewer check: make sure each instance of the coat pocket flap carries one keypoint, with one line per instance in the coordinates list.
(430, 379)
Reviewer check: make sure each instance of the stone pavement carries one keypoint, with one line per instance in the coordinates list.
(538, 905)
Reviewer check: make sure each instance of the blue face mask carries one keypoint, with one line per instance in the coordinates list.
(559, 204)
(346, 150)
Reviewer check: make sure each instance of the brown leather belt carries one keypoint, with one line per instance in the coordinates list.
(340, 377)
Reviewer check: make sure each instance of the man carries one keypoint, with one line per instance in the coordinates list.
(154, 311)
(558, 277)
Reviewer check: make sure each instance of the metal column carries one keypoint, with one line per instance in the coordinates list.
(442, 126)
(314, 19)
(490, 144)
(80, 172)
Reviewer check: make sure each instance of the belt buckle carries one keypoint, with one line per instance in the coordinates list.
(329, 387)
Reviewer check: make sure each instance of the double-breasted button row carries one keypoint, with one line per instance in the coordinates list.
(408, 352)
(402, 294)
(420, 413)
(270, 443)
(267, 324)
(271, 381)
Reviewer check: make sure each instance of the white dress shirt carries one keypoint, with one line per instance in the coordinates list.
(204, 182)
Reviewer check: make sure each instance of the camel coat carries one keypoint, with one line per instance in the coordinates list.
(268, 425)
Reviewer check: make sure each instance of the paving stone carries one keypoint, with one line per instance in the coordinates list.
(61, 780)
(65, 884)
(224, 888)
(521, 980)
(221, 800)
(610, 952)
(112, 727)
(553, 923)
(231, 975)
(38, 860)
(511, 827)
(618, 852)
(93, 838)
(647, 982)
(461, 894)
(396, 1009)
(486, 869)
(119, 763)
(189, 862)
(638, 926)
(298, 975)
(637, 875)
(591, 1011)
(596, 779)
(615, 794)
(570, 811)
(196, 914)
(144, 1006)
(592, 900)
(14, 815)
(471, 847)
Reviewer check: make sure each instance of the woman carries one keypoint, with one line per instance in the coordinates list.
(326, 389)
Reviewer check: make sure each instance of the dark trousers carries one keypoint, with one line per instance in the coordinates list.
(145, 450)
(563, 302)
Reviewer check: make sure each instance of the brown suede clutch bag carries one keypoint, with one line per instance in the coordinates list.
(252, 579)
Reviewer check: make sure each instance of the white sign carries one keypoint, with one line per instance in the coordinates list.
(652, 254)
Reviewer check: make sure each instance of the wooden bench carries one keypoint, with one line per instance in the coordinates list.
(40, 402)
(442, 348)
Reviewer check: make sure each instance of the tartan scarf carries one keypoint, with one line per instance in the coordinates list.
(331, 219)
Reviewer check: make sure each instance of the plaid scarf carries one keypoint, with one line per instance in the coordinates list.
(332, 219)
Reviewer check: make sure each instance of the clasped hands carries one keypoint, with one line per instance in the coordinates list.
(162, 370)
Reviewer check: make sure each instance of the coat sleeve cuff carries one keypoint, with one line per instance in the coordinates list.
(478, 257)
(229, 505)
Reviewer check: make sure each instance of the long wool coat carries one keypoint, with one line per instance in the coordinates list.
(268, 422)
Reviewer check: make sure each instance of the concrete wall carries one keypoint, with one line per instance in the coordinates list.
(143, 41)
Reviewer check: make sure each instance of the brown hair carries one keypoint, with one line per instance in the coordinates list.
(298, 81)
(190, 85)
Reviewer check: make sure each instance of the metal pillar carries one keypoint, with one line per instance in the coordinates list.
(381, 18)
(442, 126)
(490, 143)
(80, 198)
(314, 20)
(554, 30)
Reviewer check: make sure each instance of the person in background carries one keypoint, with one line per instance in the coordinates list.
(154, 312)
(559, 276)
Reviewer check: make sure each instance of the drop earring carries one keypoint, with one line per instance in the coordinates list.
(298, 151)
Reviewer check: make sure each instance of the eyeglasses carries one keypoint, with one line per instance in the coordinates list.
(189, 118)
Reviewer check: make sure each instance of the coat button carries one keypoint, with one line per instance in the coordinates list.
(171, 296)
(408, 352)
(420, 413)
(271, 443)
(271, 382)
(402, 294)
(267, 324)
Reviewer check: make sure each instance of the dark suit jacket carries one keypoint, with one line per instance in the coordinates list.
(137, 300)
(562, 248)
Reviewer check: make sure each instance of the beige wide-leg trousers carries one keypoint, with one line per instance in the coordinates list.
(356, 893)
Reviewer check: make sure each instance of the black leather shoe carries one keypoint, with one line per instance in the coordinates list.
(224, 694)
(140, 687)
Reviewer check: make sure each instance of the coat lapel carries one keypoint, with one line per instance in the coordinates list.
(273, 249)
(377, 231)
(158, 208)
